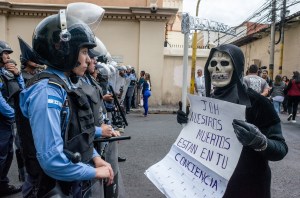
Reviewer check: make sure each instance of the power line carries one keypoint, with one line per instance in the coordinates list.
(258, 12)
(260, 20)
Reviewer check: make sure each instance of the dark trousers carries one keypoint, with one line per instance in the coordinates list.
(292, 105)
(6, 152)
(284, 104)
(128, 98)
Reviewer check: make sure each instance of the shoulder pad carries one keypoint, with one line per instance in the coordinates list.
(54, 83)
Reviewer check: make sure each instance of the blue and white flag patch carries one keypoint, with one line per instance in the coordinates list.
(54, 102)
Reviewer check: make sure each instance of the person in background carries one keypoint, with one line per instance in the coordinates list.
(265, 75)
(130, 90)
(255, 82)
(134, 96)
(146, 91)
(277, 95)
(11, 81)
(285, 80)
(140, 86)
(293, 93)
(200, 83)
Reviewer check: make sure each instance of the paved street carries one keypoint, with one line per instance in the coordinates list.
(152, 138)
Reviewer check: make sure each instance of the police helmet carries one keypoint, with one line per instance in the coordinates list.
(99, 51)
(112, 68)
(58, 47)
(103, 70)
(108, 58)
(4, 47)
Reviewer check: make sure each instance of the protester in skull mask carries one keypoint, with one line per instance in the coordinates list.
(260, 134)
(64, 149)
(10, 82)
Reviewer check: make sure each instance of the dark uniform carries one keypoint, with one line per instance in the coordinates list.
(9, 85)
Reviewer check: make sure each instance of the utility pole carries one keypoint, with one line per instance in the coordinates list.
(194, 56)
(283, 13)
(272, 42)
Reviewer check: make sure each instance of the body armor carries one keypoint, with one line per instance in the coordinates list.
(78, 137)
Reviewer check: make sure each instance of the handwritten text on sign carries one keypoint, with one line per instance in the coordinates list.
(205, 153)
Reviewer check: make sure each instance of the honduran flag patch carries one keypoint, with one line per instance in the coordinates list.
(54, 102)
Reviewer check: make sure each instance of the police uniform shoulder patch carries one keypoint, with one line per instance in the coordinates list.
(54, 102)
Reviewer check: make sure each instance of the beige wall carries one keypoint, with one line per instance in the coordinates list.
(151, 56)
(3, 29)
(22, 26)
(119, 3)
(259, 49)
(121, 38)
(173, 72)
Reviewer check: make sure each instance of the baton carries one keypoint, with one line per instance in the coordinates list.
(112, 139)
(118, 105)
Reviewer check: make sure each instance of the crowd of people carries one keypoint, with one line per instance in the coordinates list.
(283, 92)
(69, 98)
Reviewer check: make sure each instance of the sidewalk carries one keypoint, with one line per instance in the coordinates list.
(162, 109)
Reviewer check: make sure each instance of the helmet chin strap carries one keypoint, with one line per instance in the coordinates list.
(73, 77)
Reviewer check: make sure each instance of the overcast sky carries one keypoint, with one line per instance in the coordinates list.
(229, 12)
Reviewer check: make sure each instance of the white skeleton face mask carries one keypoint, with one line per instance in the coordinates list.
(221, 69)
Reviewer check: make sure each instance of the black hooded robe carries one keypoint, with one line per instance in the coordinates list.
(252, 176)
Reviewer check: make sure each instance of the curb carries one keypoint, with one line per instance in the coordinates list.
(155, 111)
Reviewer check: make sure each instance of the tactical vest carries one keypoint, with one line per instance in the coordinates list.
(93, 92)
(10, 87)
(79, 134)
(26, 76)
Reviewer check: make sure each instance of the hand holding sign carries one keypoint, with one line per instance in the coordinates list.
(249, 135)
(182, 117)
(205, 154)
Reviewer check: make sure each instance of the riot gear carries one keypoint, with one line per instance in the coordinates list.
(4, 47)
(27, 53)
(99, 51)
(59, 48)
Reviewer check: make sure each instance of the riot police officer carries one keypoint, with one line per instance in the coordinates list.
(60, 147)
(10, 82)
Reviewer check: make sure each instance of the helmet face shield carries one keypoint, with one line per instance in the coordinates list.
(98, 51)
(89, 13)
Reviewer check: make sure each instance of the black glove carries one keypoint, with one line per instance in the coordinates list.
(249, 135)
(182, 117)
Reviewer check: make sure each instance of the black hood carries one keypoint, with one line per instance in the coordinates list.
(235, 91)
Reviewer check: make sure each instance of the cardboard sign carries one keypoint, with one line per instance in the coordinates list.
(205, 154)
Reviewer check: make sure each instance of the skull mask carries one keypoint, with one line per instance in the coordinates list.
(220, 69)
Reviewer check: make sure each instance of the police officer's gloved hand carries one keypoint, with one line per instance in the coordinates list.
(249, 135)
(182, 117)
